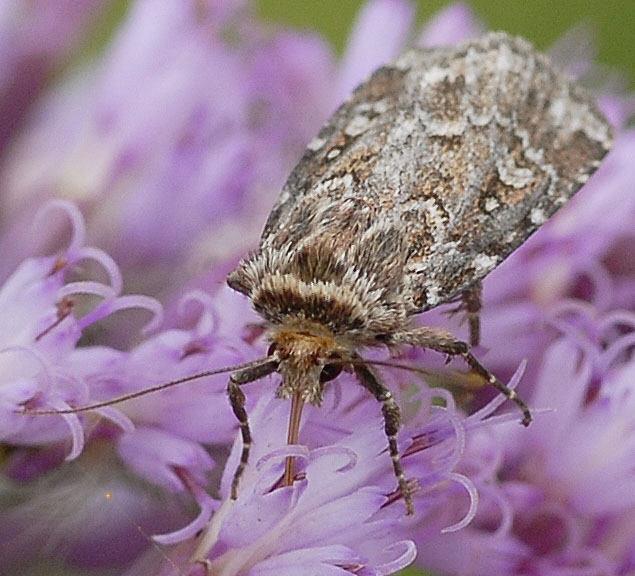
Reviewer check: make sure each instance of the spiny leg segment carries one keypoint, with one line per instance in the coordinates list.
(444, 342)
(471, 303)
(255, 371)
(392, 422)
(469, 306)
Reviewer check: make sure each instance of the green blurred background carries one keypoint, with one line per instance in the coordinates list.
(612, 23)
(541, 21)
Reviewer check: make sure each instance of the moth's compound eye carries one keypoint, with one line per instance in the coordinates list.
(329, 372)
(272, 349)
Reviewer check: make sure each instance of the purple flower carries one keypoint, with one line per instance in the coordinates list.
(335, 519)
(35, 37)
(174, 142)
(43, 367)
(571, 480)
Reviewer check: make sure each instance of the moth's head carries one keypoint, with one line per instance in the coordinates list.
(307, 360)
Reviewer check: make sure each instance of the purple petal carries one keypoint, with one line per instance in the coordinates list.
(378, 36)
(449, 26)
(154, 454)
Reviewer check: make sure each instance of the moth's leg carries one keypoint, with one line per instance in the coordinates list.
(444, 342)
(471, 305)
(256, 371)
(392, 422)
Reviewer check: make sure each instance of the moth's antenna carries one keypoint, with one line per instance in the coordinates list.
(143, 392)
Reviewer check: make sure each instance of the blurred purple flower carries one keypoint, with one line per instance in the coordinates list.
(35, 37)
(174, 142)
(449, 26)
(571, 480)
(371, 43)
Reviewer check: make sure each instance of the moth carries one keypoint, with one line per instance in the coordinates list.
(422, 182)
(432, 172)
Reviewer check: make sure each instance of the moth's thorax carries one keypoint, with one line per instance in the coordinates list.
(304, 348)
(343, 300)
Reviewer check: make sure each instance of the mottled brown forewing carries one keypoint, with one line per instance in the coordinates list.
(453, 156)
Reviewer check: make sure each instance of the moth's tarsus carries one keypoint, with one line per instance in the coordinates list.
(392, 422)
(506, 390)
(255, 371)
